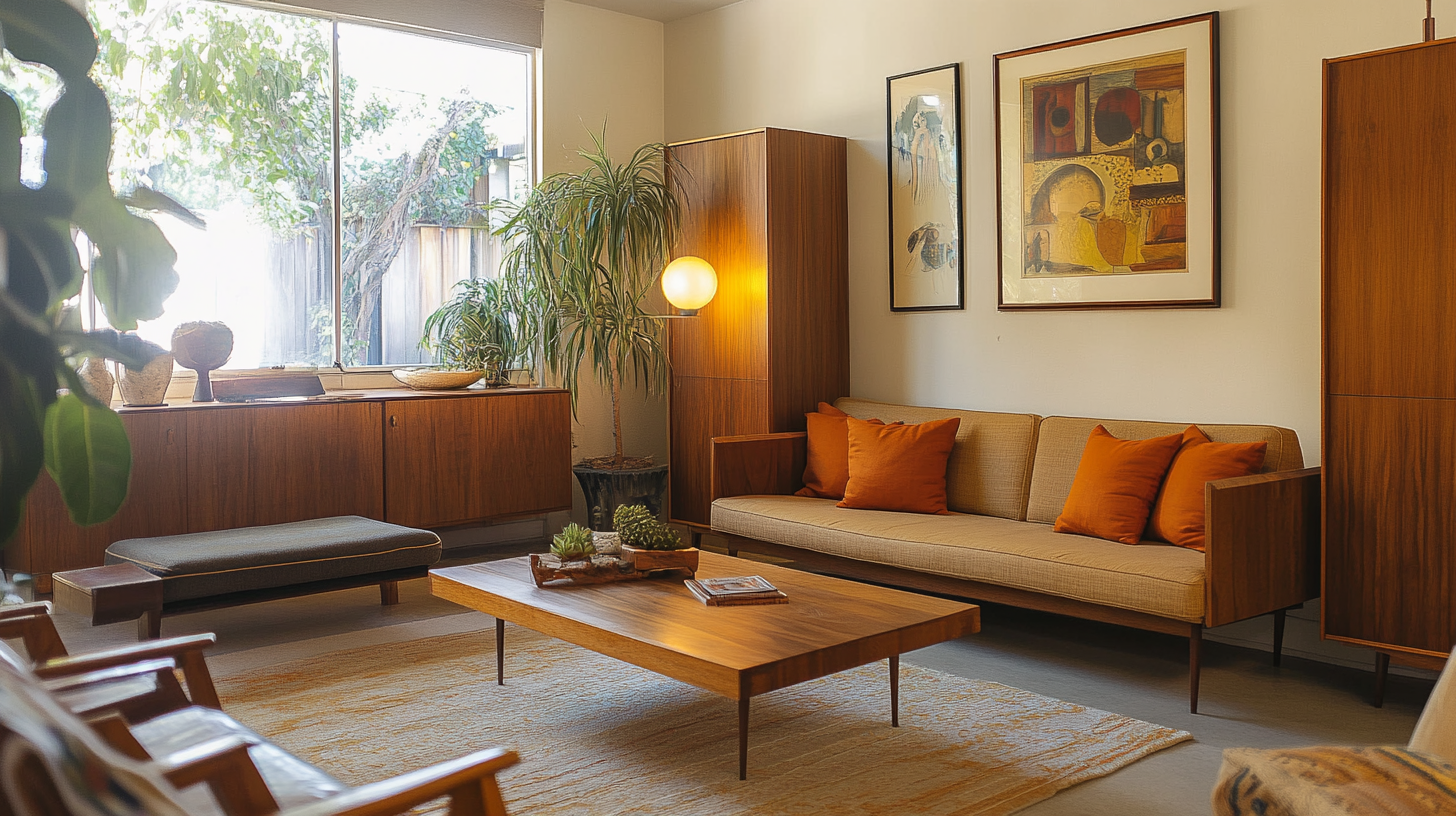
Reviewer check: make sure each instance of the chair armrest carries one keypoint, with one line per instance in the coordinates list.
(469, 782)
(187, 651)
(223, 764)
(93, 693)
(75, 681)
(25, 609)
(1263, 544)
(38, 632)
(761, 464)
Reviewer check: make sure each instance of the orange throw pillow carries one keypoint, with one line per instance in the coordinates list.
(899, 467)
(1115, 485)
(1177, 516)
(826, 467)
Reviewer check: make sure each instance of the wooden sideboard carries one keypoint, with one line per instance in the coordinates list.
(421, 459)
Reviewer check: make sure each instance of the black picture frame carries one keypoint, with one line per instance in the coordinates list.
(923, 133)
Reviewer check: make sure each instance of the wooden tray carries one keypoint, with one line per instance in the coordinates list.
(599, 569)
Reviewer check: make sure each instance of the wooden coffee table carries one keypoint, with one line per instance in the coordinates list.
(829, 625)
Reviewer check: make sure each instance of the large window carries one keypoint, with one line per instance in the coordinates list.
(252, 119)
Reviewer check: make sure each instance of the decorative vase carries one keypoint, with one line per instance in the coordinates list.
(203, 347)
(605, 490)
(147, 385)
(97, 379)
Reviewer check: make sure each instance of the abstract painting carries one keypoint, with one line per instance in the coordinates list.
(1107, 155)
(923, 134)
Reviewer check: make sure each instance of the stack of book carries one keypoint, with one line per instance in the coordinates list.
(744, 591)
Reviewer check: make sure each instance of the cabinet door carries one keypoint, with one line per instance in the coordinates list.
(274, 464)
(1388, 239)
(467, 459)
(703, 408)
(1390, 527)
(156, 501)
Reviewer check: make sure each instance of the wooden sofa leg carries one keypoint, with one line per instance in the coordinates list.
(1195, 648)
(388, 593)
(1279, 635)
(1382, 671)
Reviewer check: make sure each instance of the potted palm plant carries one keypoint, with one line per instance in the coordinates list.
(484, 328)
(588, 246)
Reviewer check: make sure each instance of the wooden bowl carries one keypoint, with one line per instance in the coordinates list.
(433, 379)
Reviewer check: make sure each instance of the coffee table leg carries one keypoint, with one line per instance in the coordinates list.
(894, 691)
(743, 737)
(500, 651)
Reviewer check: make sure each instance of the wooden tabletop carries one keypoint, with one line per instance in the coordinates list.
(829, 625)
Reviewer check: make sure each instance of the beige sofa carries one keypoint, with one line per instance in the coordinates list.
(1006, 481)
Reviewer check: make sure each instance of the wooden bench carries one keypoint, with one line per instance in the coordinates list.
(146, 579)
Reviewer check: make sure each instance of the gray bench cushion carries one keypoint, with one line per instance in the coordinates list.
(201, 565)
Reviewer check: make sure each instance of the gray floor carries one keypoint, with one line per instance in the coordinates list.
(1245, 701)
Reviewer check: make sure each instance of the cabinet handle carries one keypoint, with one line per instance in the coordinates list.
(394, 422)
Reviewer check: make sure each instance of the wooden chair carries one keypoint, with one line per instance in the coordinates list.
(63, 762)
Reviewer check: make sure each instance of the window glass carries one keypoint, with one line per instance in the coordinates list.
(432, 130)
(229, 110)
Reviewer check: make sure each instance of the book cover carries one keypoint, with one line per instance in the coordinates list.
(741, 585)
(702, 594)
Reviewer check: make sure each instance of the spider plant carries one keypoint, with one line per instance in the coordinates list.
(485, 327)
(589, 245)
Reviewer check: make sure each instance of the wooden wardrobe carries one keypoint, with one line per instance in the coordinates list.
(768, 209)
(1389, 443)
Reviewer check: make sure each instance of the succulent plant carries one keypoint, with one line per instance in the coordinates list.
(573, 543)
(637, 527)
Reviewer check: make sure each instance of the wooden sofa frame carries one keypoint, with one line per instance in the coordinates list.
(1262, 554)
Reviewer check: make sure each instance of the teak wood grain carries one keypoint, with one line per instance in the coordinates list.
(1389, 404)
(456, 461)
(768, 208)
(828, 625)
(1262, 545)
(763, 464)
(1390, 565)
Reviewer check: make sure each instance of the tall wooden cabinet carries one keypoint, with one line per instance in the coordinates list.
(768, 209)
(1390, 353)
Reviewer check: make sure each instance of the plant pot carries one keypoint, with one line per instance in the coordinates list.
(644, 560)
(146, 385)
(606, 490)
(97, 379)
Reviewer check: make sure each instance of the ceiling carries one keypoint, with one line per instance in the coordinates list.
(663, 10)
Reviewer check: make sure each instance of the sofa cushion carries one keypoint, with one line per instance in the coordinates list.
(990, 464)
(1178, 514)
(826, 467)
(1115, 485)
(899, 467)
(201, 565)
(1154, 578)
(1059, 443)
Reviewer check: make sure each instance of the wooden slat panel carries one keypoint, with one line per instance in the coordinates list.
(724, 223)
(808, 274)
(1390, 532)
(1388, 240)
(702, 409)
(156, 501)
(315, 461)
(220, 483)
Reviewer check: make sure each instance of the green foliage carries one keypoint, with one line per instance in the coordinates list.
(638, 528)
(590, 245)
(573, 543)
(485, 327)
(79, 440)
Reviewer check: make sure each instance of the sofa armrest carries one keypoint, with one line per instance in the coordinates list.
(757, 465)
(1263, 544)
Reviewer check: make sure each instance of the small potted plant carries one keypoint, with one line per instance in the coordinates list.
(648, 544)
(573, 543)
(483, 330)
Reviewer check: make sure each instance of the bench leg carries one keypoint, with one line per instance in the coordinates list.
(388, 593)
(149, 625)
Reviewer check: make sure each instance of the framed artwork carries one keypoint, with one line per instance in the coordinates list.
(922, 131)
(1107, 169)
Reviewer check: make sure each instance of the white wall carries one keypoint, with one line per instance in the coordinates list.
(820, 65)
(603, 66)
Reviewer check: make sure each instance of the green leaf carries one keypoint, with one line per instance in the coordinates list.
(51, 32)
(135, 274)
(88, 456)
(21, 449)
(78, 140)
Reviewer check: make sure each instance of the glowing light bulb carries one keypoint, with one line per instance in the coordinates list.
(689, 283)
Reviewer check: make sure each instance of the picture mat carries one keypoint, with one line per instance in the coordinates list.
(1195, 284)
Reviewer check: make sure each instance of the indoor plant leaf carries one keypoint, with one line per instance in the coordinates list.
(88, 456)
(52, 32)
(135, 274)
(21, 451)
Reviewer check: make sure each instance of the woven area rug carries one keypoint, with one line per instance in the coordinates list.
(598, 736)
